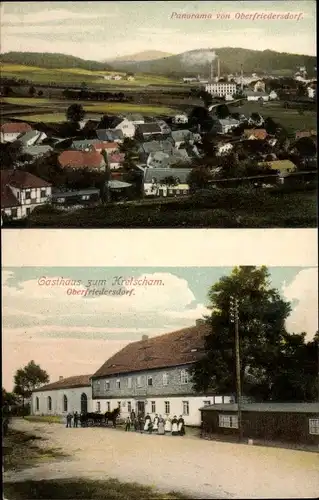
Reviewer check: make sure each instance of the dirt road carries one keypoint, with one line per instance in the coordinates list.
(192, 466)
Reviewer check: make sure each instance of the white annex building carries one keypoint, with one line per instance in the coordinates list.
(66, 395)
(221, 89)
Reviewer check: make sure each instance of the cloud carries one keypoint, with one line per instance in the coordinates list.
(51, 16)
(304, 291)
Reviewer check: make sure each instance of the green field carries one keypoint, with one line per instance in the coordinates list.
(288, 118)
(77, 76)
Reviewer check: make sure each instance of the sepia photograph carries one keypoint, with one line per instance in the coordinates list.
(152, 114)
(160, 382)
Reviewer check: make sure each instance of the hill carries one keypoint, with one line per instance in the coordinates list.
(147, 55)
(199, 61)
(52, 61)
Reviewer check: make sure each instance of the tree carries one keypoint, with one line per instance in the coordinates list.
(262, 332)
(206, 97)
(222, 111)
(75, 113)
(305, 146)
(40, 93)
(29, 378)
(198, 178)
(32, 91)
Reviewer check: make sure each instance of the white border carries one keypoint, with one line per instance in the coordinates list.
(159, 247)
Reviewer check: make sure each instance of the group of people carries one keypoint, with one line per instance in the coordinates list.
(159, 425)
(72, 416)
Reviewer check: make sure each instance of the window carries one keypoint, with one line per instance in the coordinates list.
(206, 403)
(184, 377)
(43, 193)
(60, 200)
(28, 195)
(28, 211)
(49, 403)
(165, 378)
(37, 403)
(177, 191)
(108, 406)
(149, 380)
(228, 421)
(14, 212)
(314, 426)
(139, 382)
(167, 407)
(107, 385)
(98, 406)
(118, 384)
(18, 195)
(153, 404)
(185, 408)
(129, 383)
(129, 406)
(85, 197)
(65, 403)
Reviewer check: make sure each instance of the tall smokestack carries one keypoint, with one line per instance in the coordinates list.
(241, 77)
(218, 68)
(212, 70)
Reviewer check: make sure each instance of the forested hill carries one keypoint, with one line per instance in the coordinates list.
(52, 60)
(231, 60)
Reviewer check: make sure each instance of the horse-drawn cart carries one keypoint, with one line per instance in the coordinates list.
(96, 419)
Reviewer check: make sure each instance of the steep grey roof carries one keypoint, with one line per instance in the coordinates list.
(149, 128)
(37, 150)
(181, 135)
(28, 135)
(266, 407)
(161, 173)
(137, 117)
(154, 146)
(109, 135)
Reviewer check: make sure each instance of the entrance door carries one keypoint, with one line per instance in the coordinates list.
(141, 407)
(84, 403)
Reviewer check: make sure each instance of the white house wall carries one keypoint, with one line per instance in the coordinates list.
(74, 401)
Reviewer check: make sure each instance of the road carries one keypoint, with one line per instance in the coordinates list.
(195, 467)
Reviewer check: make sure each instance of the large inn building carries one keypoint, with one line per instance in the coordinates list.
(149, 376)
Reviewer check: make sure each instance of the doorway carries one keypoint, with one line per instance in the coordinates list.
(84, 403)
(141, 407)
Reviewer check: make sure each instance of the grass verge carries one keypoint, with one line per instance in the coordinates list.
(51, 419)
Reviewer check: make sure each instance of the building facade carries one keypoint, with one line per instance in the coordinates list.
(152, 376)
(221, 89)
(66, 395)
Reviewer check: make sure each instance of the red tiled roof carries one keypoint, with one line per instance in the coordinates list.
(15, 128)
(259, 133)
(8, 200)
(67, 383)
(305, 133)
(117, 157)
(172, 349)
(81, 159)
(21, 180)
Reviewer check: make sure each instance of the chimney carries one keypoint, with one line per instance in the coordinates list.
(218, 68)
(144, 337)
(60, 377)
(212, 70)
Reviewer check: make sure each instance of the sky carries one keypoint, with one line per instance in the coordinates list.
(105, 30)
(75, 334)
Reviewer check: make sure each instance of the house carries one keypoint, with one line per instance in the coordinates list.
(273, 95)
(67, 395)
(221, 89)
(255, 133)
(148, 131)
(281, 166)
(259, 86)
(146, 148)
(156, 182)
(165, 129)
(225, 125)
(182, 118)
(91, 160)
(81, 197)
(117, 77)
(294, 423)
(121, 123)
(110, 135)
(256, 96)
(10, 132)
(116, 160)
(305, 133)
(95, 145)
(21, 192)
(130, 78)
(158, 160)
(224, 148)
(38, 151)
(182, 136)
(151, 376)
(135, 118)
(31, 138)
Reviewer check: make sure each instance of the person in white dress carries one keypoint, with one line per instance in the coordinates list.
(155, 423)
(161, 425)
(174, 426)
(168, 426)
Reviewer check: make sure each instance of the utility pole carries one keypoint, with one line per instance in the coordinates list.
(234, 318)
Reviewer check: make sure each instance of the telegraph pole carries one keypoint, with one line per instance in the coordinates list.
(234, 318)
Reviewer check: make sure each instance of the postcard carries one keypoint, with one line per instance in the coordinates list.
(152, 114)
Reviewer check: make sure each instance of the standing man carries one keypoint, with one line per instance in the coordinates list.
(69, 420)
(76, 419)
(128, 424)
(181, 426)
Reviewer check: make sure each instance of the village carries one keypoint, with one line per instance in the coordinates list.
(240, 135)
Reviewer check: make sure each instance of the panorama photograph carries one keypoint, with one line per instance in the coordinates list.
(160, 383)
(158, 114)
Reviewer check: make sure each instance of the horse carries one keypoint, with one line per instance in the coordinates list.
(112, 416)
(90, 417)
